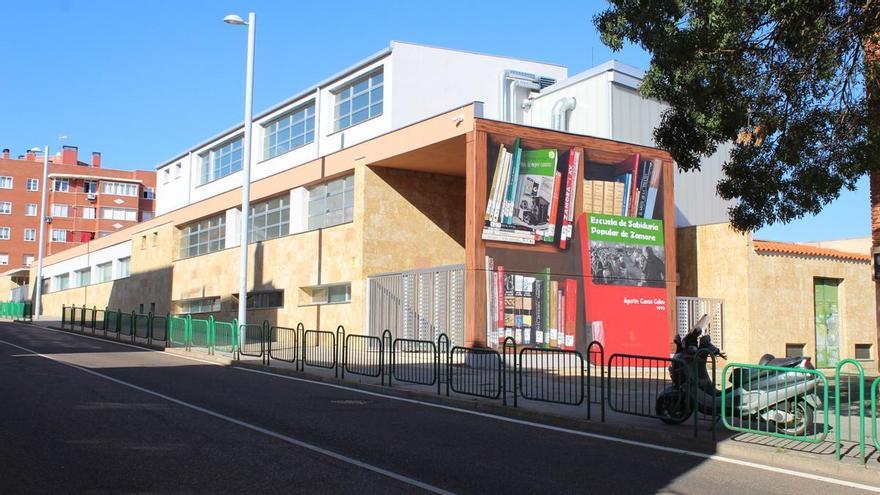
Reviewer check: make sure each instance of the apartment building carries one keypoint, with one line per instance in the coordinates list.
(84, 201)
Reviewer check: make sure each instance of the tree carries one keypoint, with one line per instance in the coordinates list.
(785, 81)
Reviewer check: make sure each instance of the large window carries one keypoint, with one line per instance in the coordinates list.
(5, 233)
(5, 182)
(30, 234)
(28, 259)
(62, 281)
(221, 161)
(359, 101)
(119, 214)
(269, 219)
(119, 188)
(201, 305)
(59, 235)
(30, 210)
(263, 300)
(88, 212)
(90, 186)
(104, 272)
(203, 237)
(326, 294)
(290, 131)
(83, 277)
(59, 210)
(33, 185)
(4, 258)
(6, 207)
(150, 193)
(331, 203)
(60, 185)
(123, 267)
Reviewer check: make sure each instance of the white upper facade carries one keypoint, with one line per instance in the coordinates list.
(398, 86)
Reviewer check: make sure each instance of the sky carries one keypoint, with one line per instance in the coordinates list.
(141, 81)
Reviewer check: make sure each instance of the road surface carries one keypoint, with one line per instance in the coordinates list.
(84, 415)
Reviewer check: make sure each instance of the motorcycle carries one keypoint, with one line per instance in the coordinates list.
(787, 401)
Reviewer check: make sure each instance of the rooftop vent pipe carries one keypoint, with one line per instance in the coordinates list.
(560, 113)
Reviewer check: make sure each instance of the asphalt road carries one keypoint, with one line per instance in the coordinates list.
(128, 420)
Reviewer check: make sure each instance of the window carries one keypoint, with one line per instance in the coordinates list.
(221, 161)
(202, 305)
(331, 203)
(119, 188)
(83, 277)
(46, 285)
(152, 307)
(5, 182)
(166, 176)
(290, 131)
(146, 215)
(4, 259)
(177, 170)
(33, 185)
(104, 272)
(88, 212)
(59, 210)
(359, 101)
(863, 351)
(119, 214)
(28, 260)
(326, 294)
(90, 186)
(149, 193)
(794, 350)
(269, 219)
(30, 210)
(203, 237)
(123, 267)
(141, 308)
(6, 207)
(30, 234)
(155, 239)
(263, 300)
(143, 242)
(59, 235)
(60, 185)
(62, 281)
(5, 233)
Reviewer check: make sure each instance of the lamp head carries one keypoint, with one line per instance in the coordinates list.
(234, 20)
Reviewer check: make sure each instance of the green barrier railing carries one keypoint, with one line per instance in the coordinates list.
(839, 434)
(16, 310)
(179, 331)
(874, 433)
(774, 401)
(202, 335)
(225, 336)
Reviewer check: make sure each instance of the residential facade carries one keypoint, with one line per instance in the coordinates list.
(84, 201)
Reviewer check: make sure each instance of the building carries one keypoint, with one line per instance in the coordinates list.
(786, 299)
(84, 201)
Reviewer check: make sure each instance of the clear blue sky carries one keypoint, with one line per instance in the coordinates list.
(141, 81)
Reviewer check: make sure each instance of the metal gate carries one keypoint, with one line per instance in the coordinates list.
(691, 309)
(418, 304)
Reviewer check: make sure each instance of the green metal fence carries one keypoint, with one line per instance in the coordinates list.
(179, 331)
(16, 310)
(775, 401)
(853, 402)
(875, 388)
(225, 336)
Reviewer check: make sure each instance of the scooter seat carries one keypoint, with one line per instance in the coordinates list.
(784, 362)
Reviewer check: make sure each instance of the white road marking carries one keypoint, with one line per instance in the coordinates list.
(243, 424)
(598, 436)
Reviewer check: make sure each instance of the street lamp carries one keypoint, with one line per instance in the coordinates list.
(39, 281)
(246, 167)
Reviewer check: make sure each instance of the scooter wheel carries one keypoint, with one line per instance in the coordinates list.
(673, 409)
(803, 422)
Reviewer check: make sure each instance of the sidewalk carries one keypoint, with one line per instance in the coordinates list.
(818, 458)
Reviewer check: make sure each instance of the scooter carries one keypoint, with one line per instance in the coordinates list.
(787, 401)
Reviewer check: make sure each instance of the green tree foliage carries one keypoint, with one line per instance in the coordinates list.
(784, 81)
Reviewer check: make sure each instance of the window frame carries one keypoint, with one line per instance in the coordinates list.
(32, 231)
(258, 219)
(4, 259)
(345, 210)
(108, 266)
(116, 188)
(210, 163)
(125, 261)
(61, 184)
(205, 227)
(214, 307)
(309, 292)
(66, 208)
(4, 179)
(346, 94)
(27, 209)
(8, 233)
(2, 205)
(52, 236)
(272, 128)
(29, 181)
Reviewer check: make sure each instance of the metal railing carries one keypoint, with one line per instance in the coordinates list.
(774, 401)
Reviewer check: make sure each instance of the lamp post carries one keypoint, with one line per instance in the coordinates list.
(39, 281)
(246, 167)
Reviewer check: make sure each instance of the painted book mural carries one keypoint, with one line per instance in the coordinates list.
(594, 265)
